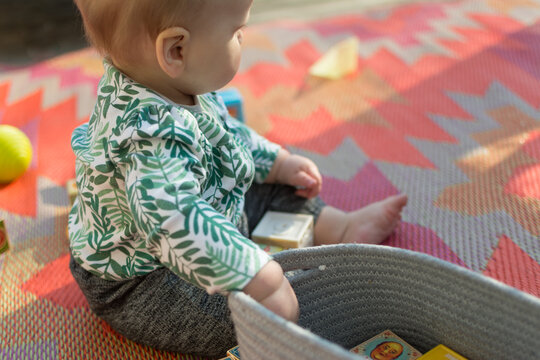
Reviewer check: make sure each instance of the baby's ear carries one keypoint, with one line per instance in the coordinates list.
(170, 50)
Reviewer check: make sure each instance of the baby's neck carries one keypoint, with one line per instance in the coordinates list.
(176, 96)
(159, 83)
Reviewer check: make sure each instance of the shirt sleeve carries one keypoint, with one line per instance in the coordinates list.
(263, 151)
(162, 177)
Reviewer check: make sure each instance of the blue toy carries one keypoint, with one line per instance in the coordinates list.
(234, 102)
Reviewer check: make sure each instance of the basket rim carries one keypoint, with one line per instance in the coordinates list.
(289, 256)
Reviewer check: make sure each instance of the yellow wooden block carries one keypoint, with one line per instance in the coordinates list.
(4, 241)
(285, 230)
(71, 187)
(339, 61)
(270, 249)
(441, 352)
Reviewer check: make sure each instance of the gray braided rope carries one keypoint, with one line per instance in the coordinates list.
(349, 293)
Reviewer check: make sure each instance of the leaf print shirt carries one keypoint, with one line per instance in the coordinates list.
(163, 185)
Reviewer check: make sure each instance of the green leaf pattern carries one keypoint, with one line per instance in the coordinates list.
(163, 185)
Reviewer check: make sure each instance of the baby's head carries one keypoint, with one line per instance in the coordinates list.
(193, 43)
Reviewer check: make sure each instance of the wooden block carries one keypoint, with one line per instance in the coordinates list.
(234, 353)
(441, 352)
(387, 345)
(270, 249)
(286, 230)
(71, 187)
(339, 61)
(4, 240)
(234, 102)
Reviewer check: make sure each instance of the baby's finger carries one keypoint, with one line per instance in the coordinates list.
(309, 191)
(317, 185)
(314, 172)
(303, 192)
(304, 180)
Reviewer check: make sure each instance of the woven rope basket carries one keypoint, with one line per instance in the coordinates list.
(349, 293)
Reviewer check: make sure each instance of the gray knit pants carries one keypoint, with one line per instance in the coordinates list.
(165, 312)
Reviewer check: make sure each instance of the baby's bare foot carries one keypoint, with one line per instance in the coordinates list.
(374, 223)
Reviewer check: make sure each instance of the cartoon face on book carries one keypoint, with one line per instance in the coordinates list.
(387, 346)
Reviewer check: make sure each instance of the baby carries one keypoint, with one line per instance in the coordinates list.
(171, 186)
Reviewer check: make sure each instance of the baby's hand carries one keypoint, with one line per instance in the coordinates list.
(302, 173)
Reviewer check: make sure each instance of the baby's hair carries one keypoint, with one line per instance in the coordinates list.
(116, 27)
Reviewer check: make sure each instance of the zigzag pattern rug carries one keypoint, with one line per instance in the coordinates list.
(445, 107)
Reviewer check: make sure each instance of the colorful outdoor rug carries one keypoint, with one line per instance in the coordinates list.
(445, 107)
